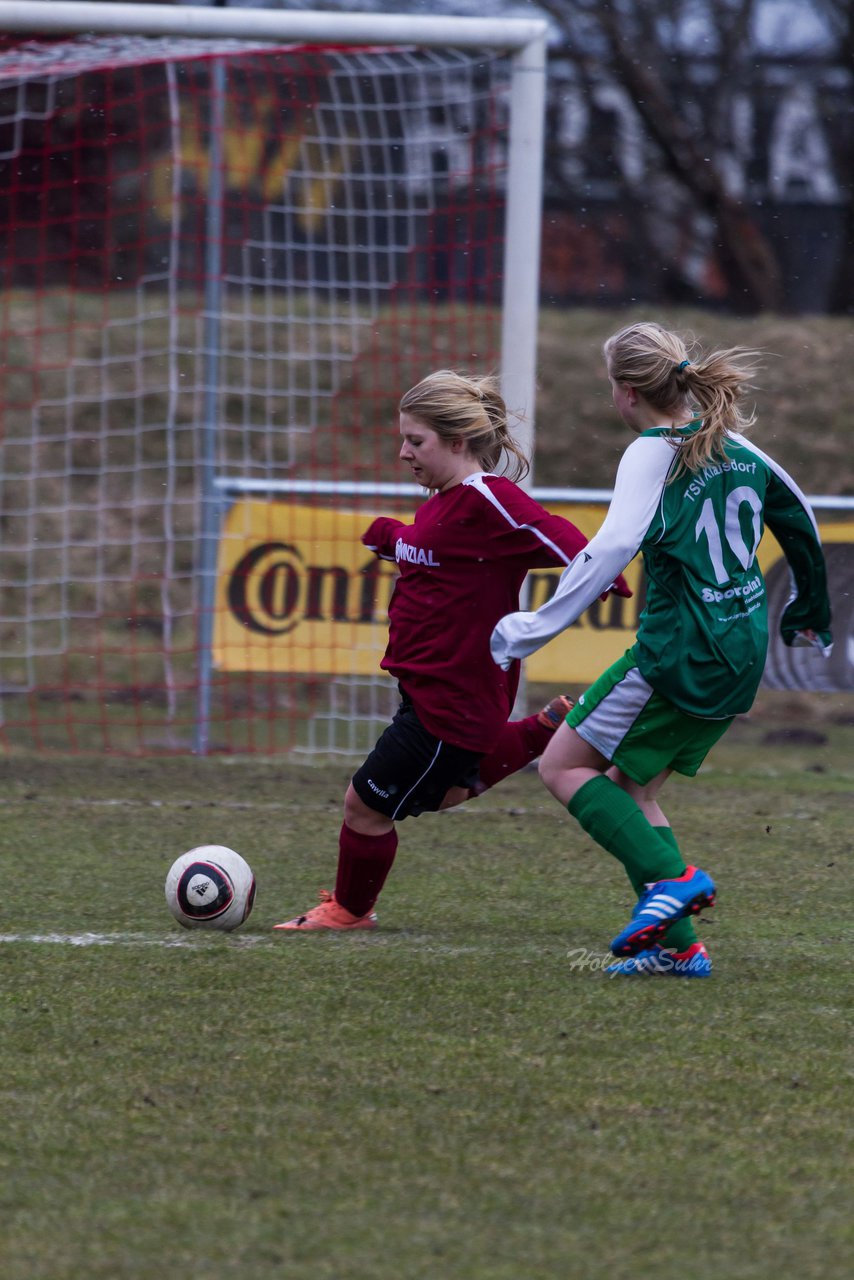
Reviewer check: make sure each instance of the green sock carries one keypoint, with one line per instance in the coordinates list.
(681, 935)
(610, 816)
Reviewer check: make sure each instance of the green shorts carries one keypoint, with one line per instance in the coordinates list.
(637, 729)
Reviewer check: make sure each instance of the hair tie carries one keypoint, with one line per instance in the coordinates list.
(682, 366)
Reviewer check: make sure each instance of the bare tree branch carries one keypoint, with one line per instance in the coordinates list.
(839, 15)
(623, 39)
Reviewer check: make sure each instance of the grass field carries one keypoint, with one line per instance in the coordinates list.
(463, 1095)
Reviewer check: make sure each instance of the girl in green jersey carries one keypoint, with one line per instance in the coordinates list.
(694, 496)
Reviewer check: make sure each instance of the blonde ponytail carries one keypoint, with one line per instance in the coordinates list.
(668, 371)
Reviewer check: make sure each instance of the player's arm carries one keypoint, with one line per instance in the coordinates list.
(558, 532)
(806, 618)
(532, 534)
(381, 536)
(542, 538)
(637, 492)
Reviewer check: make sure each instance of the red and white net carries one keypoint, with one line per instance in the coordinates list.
(151, 350)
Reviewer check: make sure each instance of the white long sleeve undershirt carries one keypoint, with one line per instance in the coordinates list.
(638, 490)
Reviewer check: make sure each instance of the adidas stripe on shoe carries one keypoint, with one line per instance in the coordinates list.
(664, 902)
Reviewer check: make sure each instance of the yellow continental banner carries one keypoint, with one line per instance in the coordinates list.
(297, 591)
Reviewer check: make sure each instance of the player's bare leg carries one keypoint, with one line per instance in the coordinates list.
(569, 762)
(645, 797)
(358, 817)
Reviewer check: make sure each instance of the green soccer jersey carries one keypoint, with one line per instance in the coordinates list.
(703, 633)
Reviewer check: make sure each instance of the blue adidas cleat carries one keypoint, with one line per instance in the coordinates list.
(664, 902)
(660, 961)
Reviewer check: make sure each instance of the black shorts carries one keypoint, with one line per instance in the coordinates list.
(410, 771)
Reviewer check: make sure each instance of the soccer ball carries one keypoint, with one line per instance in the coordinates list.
(210, 887)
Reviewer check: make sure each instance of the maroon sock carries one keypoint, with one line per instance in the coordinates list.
(521, 742)
(363, 864)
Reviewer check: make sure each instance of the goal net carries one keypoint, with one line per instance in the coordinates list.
(221, 264)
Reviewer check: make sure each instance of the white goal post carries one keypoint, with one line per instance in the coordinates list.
(162, 374)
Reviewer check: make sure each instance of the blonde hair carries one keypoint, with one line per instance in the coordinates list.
(668, 370)
(458, 407)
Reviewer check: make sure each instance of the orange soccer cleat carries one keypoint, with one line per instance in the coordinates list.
(555, 712)
(329, 914)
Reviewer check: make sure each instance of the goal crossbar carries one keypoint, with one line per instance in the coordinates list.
(66, 16)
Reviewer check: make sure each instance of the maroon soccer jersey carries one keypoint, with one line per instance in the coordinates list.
(462, 563)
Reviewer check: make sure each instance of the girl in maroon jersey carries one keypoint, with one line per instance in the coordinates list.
(462, 563)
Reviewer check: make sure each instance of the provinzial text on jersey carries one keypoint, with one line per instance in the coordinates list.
(414, 555)
(696, 487)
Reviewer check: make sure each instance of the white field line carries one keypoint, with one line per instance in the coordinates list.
(199, 938)
(98, 939)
